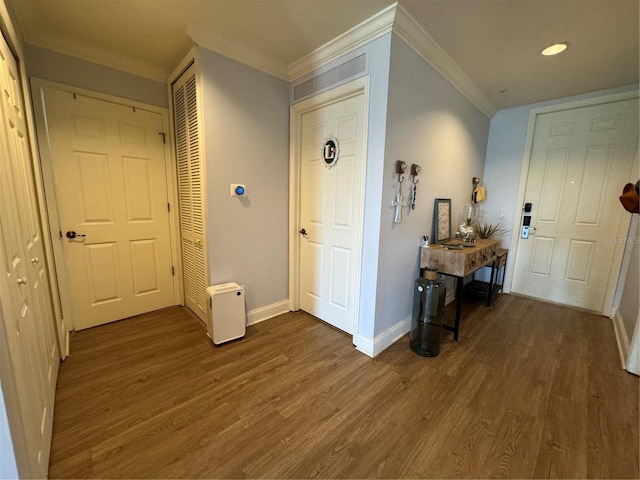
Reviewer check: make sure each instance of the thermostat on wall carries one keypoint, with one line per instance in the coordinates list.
(238, 190)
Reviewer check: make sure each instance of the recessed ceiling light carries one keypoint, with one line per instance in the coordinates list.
(555, 49)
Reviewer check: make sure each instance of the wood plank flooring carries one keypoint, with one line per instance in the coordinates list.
(532, 390)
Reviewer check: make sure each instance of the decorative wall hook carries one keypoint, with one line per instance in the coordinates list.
(400, 168)
(398, 201)
(415, 170)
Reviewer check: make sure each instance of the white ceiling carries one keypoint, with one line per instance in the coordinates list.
(495, 42)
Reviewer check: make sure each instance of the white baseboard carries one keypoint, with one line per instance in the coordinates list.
(265, 313)
(65, 329)
(621, 337)
(374, 347)
(633, 360)
(364, 344)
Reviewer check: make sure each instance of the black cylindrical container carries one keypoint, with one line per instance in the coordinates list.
(428, 315)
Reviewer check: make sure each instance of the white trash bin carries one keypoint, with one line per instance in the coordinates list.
(227, 318)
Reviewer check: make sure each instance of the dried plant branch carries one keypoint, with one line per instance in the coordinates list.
(488, 230)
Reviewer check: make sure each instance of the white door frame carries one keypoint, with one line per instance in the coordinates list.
(61, 292)
(359, 86)
(623, 227)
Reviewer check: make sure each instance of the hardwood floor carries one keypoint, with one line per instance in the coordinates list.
(532, 390)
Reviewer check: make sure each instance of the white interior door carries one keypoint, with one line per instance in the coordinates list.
(331, 211)
(110, 182)
(580, 161)
(27, 316)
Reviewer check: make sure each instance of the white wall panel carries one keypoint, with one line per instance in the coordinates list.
(137, 189)
(542, 256)
(596, 167)
(102, 273)
(579, 261)
(553, 183)
(343, 196)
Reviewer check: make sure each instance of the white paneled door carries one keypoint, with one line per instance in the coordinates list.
(580, 161)
(109, 171)
(331, 211)
(32, 356)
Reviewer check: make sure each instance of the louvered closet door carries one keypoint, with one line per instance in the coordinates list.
(190, 187)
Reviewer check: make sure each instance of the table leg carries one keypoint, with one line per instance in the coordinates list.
(491, 283)
(459, 295)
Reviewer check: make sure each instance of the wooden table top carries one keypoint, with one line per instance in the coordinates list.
(462, 261)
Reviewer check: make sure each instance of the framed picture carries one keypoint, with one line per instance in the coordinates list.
(442, 220)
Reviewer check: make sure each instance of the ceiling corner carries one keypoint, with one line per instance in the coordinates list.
(406, 27)
(13, 20)
(365, 32)
(237, 51)
(100, 56)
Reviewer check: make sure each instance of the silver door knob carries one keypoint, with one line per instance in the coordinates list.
(35, 260)
(22, 281)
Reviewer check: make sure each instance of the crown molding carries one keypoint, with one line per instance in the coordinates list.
(237, 51)
(365, 32)
(424, 45)
(392, 19)
(100, 56)
(397, 20)
(13, 28)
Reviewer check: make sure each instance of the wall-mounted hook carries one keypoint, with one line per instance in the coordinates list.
(415, 170)
(400, 168)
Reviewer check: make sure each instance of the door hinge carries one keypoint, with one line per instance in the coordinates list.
(173, 271)
(164, 137)
(60, 233)
(169, 207)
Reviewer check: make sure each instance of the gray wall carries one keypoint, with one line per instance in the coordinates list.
(432, 124)
(57, 67)
(246, 121)
(379, 52)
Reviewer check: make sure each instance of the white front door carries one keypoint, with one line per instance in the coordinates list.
(580, 160)
(331, 211)
(108, 165)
